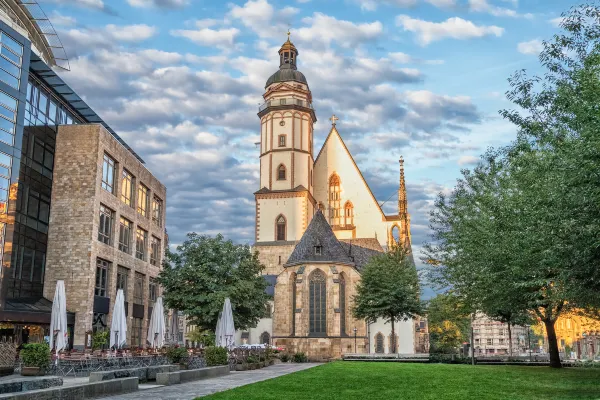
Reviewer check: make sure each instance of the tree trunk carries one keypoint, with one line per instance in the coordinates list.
(552, 344)
(509, 341)
(393, 341)
(472, 341)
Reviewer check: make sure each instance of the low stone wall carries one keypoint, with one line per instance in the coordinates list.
(79, 392)
(143, 374)
(174, 378)
(31, 383)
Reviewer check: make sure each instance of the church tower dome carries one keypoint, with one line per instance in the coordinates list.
(288, 71)
(284, 201)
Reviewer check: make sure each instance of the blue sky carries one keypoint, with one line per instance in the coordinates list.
(181, 80)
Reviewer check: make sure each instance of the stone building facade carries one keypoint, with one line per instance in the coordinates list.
(491, 337)
(106, 231)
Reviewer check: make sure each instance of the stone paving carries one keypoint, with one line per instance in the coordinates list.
(191, 390)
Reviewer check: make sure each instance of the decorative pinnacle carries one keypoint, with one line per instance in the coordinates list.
(333, 119)
(288, 33)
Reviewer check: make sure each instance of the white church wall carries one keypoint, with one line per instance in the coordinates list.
(293, 209)
(368, 217)
(285, 158)
(404, 330)
(254, 334)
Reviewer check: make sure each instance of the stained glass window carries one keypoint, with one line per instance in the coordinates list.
(318, 303)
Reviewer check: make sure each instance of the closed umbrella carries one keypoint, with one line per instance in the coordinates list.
(156, 330)
(58, 318)
(227, 326)
(118, 325)
(218, 332)
(174, 328)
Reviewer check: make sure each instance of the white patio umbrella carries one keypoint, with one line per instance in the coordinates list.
(156, 329)
(118, 325)
(227, 329)
(58, 318)
(218, 332)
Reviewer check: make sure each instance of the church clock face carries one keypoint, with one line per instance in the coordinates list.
(281, 123)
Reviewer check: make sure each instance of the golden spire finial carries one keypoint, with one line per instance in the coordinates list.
(288, 33)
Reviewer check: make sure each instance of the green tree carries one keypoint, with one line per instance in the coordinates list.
(206, 270)
(388, 289)
(449, 323)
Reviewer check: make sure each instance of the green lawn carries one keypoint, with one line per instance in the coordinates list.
(387, 381)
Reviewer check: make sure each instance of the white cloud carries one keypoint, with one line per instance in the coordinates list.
(456, 28)
(209, 37)
(556, 21)
(263, 19)
(131, 33)
(326, 29)
(98, 5)
(371, 5)
(468, 160)
(58, 19)
(484, 7)
(403, 58)
(532, 47)
(159, 3)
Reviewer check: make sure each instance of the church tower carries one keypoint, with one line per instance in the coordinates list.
(284, 201)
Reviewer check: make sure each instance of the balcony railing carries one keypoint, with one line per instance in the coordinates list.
(285, 102)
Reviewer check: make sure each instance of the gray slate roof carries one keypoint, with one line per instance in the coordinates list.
(286, 74)
(333, 251)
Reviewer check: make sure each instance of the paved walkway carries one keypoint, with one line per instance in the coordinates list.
(191, 390)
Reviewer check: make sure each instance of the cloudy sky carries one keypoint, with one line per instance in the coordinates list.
(181, 81)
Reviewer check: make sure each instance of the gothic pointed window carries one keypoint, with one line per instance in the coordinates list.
(280, 226)
(317, 304)
(335, 216)
(342, 305)
(348, 213)
(379, 343)
(265, 338)
(281, 172)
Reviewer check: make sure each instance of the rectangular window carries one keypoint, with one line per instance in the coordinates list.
(152, 291)
(157, 210)
(138, 289)
(141, 243)
(127, 188)
(105, 225)
(142, 204)
(125, 233)
(490, 342)
(501, 341)
(122, 276)
(281, 140)
(136, 332)
(108, 173)
(102, 267)
(154, 251)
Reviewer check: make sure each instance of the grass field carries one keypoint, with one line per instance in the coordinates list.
(387, 381)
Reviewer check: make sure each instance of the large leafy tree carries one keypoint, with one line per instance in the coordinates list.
(388, 289)
(204, 271)
(521, 232)
(449, 323)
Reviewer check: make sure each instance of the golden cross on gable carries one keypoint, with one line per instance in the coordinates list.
(333, 119)
(288, 33)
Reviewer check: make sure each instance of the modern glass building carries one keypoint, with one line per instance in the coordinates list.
(34, 100)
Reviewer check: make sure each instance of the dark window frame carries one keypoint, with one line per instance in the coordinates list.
(109, 168)
(106, 225)
(102, 271)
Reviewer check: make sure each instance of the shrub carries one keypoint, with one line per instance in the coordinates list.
(300, 358)
(35, 355)
(204, 338)
(252, 359)
(284, 357)
(216, 356)
(99, 339)
(176, 354)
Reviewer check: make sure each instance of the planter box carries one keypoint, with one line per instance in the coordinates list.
(31, 371)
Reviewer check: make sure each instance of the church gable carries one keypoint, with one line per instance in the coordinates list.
(355, 204)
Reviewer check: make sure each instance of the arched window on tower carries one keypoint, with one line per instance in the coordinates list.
(396, 234)
(379, 342)
(342, 305)
(335, 214)
(348, 213)
(281, 172)
(280, 228)
(317, 304)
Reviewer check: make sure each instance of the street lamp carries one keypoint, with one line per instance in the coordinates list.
(355, 339)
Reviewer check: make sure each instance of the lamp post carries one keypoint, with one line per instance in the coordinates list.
(529, 341)
(355, 330)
